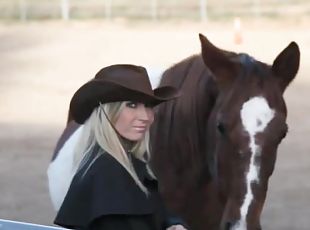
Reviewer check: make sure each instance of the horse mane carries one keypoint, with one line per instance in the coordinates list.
(179, 132)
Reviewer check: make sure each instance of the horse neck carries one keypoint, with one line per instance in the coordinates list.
(179, 133)
(71, 127)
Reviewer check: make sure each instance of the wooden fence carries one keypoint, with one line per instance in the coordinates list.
(150, 9)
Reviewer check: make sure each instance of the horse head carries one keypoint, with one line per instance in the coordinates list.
(245, 128)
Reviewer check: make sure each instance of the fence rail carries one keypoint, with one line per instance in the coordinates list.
(151, 9)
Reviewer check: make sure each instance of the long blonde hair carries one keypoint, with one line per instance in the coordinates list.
(99, 130)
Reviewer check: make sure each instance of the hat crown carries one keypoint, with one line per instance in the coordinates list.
(117, 83)
(129, 76)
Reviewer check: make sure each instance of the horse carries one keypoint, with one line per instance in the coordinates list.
(214, 148)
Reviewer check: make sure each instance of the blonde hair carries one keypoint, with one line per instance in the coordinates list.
(98, 130)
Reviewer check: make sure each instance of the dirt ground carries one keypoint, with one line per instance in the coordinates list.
(41, 65)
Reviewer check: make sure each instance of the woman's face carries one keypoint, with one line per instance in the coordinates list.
(134, 120)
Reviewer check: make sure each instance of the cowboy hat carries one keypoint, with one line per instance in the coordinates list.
(117, 83)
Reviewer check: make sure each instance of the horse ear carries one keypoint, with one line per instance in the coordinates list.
(286, 65)
(217, 61)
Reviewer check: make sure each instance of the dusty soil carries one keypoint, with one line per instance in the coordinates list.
(41, 65)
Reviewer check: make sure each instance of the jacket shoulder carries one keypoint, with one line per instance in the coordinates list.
(102, 187)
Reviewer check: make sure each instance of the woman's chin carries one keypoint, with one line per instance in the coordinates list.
(136, 136)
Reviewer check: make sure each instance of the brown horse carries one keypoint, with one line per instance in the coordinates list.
(215, 147)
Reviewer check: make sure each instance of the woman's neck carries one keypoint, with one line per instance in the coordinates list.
(127, 144)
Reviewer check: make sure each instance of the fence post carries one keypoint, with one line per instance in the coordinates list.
(23, 10)
(203, 10)
(65, 10)
(257, 8)
(108, 9)
(154, 10)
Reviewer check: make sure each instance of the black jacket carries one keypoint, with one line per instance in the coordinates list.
(106, 197)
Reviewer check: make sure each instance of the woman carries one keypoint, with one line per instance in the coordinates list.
(113, 188)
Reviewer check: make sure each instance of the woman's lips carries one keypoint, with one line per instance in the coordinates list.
(139, 128)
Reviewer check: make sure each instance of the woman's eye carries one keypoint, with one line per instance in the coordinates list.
(132, 104)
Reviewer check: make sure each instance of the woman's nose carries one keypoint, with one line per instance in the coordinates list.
(145, 113)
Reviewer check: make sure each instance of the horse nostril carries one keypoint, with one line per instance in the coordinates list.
(228, 225)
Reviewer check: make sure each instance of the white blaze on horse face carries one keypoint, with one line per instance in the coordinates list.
(255, 116)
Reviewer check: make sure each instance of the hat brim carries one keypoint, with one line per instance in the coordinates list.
(91, 94)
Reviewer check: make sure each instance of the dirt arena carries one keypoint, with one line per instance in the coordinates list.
(41, 65)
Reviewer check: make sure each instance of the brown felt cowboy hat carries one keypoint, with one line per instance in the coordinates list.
(117, 83)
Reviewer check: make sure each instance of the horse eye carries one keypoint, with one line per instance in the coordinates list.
(284, 133)
(221, 128)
